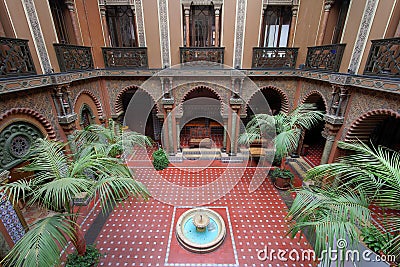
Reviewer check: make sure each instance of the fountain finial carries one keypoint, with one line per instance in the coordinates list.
(201, 221)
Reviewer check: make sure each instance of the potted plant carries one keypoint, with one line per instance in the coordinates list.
(284, 130)
(59, 177)
(282, 179)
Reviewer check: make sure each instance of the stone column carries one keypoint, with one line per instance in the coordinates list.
(236, 104)
(332, 127)
(105, 26)
(217, 11)
(65, 113)
(71, 8)
(225, 133)
(295, 9)
(169, 141)
(178, 130)
(187, 26)
(327, 8)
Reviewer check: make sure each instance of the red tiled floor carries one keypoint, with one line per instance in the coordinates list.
(314, 154)
(139, 233)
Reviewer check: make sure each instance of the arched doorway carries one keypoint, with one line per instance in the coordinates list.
(201, 119)
(276, 99)
(380, 127)
(312, 146)
(149, 124)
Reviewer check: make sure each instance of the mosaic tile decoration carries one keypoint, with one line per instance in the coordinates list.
(10, 219)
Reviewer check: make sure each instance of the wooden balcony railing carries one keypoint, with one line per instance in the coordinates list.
(274, 58)
(383, 58)
(15, 58)
(213, 54)
(325, 57)
(125, 57)
(73, 57)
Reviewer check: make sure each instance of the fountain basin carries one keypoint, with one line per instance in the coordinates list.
(204, 239)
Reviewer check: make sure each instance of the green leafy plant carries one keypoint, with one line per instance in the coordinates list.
(89, 259)
(160, 159)
(285, 174)
(58, 178)
(341, 203)
(284, 129)
(375, 239)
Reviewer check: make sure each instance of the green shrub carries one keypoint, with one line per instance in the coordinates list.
(160, 159)
(375, 239)
(281, 173)
(89, 259)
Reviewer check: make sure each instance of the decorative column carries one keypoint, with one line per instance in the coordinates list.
(178, 130)
(65, 114)
(327, 8)
(187, 25)
(225, 134)
(295, 9)
(334, 119)
(235, 104)
(168, 104)
(71, 8)
(105, 25)
(217, 12)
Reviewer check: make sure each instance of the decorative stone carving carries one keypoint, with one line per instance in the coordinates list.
(362, 36)
(239, 32)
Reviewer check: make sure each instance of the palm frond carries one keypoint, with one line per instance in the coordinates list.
(41, 246)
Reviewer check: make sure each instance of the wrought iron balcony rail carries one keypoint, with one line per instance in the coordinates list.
(15, 58)
(213, 54)
(73, 57)
(274, 58)
(325, 57)
(383, 58)
(125, 57)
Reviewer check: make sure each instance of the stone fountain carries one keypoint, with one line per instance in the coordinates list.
(200, 230)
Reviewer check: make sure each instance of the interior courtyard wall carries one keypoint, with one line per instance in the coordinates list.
(38, 100)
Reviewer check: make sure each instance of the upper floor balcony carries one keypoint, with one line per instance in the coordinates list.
(73, 57)
(213, 54)
(383, 58)
(15, 58)
(274, 58)
(325, 57)
(125, 57)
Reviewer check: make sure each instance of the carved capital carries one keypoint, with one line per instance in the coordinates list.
(328, 5)
(70, 5)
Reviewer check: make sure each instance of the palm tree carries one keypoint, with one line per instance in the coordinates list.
(284, 129)
(341, 204)
(114, 140)
(58, 178)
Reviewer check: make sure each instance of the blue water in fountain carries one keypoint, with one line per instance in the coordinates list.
(210, 234)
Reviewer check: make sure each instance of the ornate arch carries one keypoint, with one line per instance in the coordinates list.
(118, 101)
(34, 114)
(95, 100)
(367, 122)
(315, 92)
(283, 96)
(219, 97)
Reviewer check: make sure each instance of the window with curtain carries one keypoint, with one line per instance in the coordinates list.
(276, 26)
(59, 11)
(121, 26)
